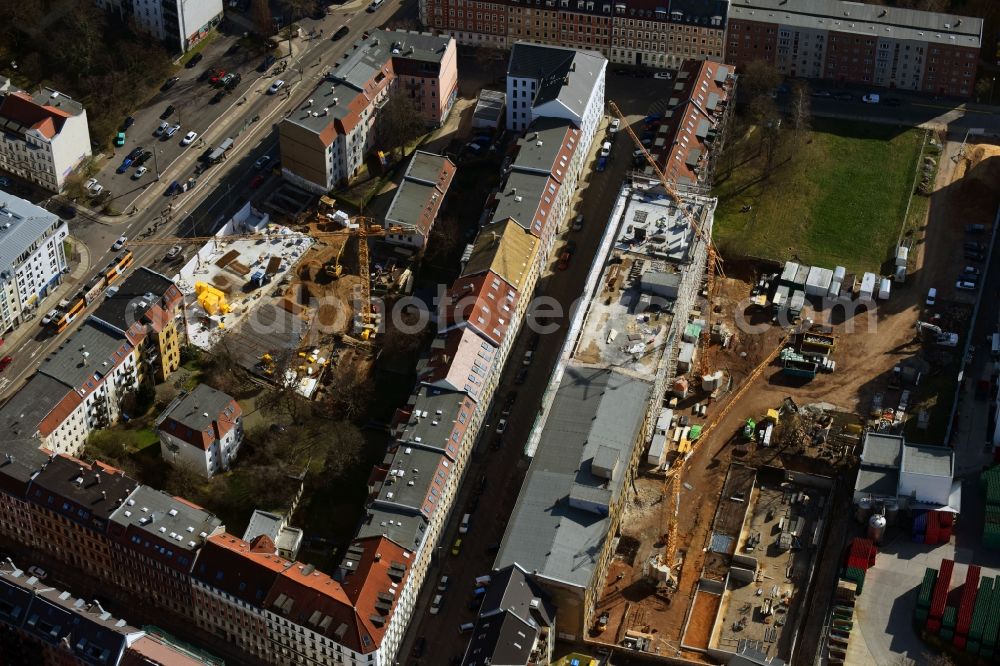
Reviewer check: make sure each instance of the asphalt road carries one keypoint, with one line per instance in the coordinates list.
(221, 190)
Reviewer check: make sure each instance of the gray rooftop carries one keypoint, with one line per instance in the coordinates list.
(403, 528)
(197, 409)
(425, 167)
(19, 460)
(504, 638)
(58, 100)
(410, 482)
(166, 517)
(490, 105)
(520, 196)
(418, 191)
(21, 415)
(434, 430)
(540, 145)
(563, 74)
(882, 450)
(877, 481)
(861, 19)
(359, 65)
(84, 494)
(592, 408)
(90, 353)
(28, 223)
(929, 460)
(123, 308)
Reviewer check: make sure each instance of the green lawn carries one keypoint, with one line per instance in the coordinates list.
(837, 199)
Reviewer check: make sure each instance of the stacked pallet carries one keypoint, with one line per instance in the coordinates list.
(966, 605)
(990, 482)
(854, 574)
(860, 554)
(841, 622)
(919, 526)
(984, 598)
(924, 597)
(940, 597)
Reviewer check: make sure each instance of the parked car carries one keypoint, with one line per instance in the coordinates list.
(457, 547)
(605, 149)
(822, 93)
(563, 263)
(129, 121)
(340, 33)
(170, 83)
(135, 153)
(443, 583)
(663, 76)
(139, 173)
(173, 252)
(501, 426)
(218, 97)
(965, 285)
(160, 128)
(436, 604)
(217, 76)
(578, 222)
(262, 162)
(143, 157)
(120, 139)
(602, 164)
(123, 167)
(521, 377)
(931, 296)
(374, 5)
(975, 228)
(528, 357)
(195, 59)
(275, 87)
(205, 74)
(257, 181)
(5, 361)
(167, 112)
(188, 138)
(614, 126)
(93, 186)
(971, 270)
(266, 63)
(120, 243)
(570, 246)
(170, 131)
(173, 188)
(233, 82)
(871, 98)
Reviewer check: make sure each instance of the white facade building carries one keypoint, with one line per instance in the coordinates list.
(180, 24)
(555, 82)
(44, 138)
(202, 430)
(32, 258)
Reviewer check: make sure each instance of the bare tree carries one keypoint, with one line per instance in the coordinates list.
(757, 80)
(262, 18)
(399, 121)
(801, 111)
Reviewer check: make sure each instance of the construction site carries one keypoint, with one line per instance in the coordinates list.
(288, 303)
(760, 408)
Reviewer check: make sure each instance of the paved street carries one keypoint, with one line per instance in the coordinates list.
(220, 191)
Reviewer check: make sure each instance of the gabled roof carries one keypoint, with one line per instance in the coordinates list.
(548, 147)
(20, 459)
(38, 407)
(44, 113)
(565, 76)
(527, 198)
(244, 570)
(137, 294)
(505, 248)
(430, 418)
(84, 359)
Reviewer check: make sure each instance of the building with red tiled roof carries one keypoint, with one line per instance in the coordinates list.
(45, 136)
(692, 132)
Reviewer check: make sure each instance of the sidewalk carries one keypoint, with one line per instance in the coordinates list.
(70, 283)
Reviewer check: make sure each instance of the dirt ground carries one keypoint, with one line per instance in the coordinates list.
(868, 347)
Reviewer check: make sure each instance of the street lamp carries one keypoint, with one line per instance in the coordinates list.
(156, 165)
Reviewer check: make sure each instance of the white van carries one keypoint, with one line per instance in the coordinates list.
(464, 527)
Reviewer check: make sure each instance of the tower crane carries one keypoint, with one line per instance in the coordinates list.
(672, 481)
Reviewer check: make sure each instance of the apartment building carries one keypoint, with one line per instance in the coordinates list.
(541, 181)
(694, 127)
(324, 142)
(179, 24)
(155, 539)
(147, 309)
(202, 430)
(32, 258)
(78, 388)
(850, 42)
(44, 136)
(47, 626)
(555, 82)
(418, 200)
(631, 32)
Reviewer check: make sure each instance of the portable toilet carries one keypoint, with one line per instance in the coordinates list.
(885, 286)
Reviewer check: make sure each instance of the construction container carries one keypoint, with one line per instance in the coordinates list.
(948, 623)
(902, 255)
(990, 483)
(788, 274)
(685, 357)
(780, 299)
(884, 289)
(796, 302)
(984, 599)
(968, 601)
(940, 595)
(834, 290)
(869, 282)
(680, 387)
(839, 273)
(818, 281)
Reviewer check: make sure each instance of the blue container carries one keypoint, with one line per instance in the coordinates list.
(920, 522)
